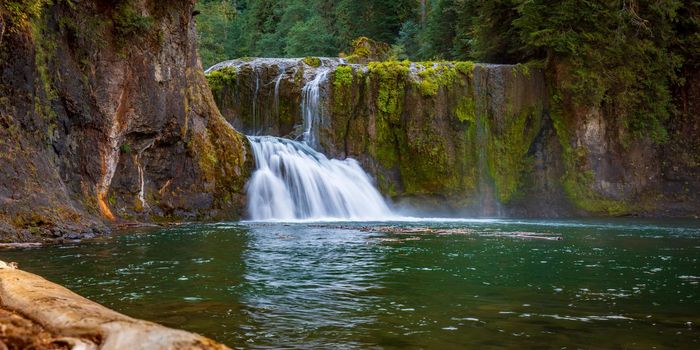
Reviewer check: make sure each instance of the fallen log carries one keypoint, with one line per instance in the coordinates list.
(46, 315)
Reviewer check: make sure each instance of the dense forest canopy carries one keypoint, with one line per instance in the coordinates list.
(499, 31)
(625, 54)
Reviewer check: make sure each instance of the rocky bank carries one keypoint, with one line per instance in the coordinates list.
(106, 118)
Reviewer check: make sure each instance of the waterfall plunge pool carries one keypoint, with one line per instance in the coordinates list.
(465, 284)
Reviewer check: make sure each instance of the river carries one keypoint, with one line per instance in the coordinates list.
(622, 283)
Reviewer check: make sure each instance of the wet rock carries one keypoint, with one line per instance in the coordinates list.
(476, 139)
(96, 128)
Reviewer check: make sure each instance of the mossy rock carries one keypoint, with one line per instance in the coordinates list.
(221, 78)
(312, 61)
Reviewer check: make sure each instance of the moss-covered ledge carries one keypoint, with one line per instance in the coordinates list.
(65, 320)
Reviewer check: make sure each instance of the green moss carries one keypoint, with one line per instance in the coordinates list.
(224, 163)
(391, 80)
(578, 181)
(342, 77)
(521, 69)
(365, 50)
(465, 68)
(45, 92)
(507, 152)
(221, 78)
(112, 200)
(428, 87)
(433, 76)
(299, 76)
(427, 167)
(312, 61)
(342, 81)
(466, 109)
(21, 12)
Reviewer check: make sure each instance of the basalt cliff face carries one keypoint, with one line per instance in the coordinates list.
(468, 139)
(106, 117)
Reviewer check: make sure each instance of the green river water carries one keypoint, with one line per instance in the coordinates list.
(613, 284)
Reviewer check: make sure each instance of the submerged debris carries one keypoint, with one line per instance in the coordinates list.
(20, 245)
(398, 230)
(459, 231)
(417, 230)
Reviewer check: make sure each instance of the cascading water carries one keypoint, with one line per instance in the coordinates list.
(311, 106)
(294, 182)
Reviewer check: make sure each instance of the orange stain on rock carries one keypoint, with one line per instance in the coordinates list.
(104, 208)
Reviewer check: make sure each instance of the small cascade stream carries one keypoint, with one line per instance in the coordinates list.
(310, 106)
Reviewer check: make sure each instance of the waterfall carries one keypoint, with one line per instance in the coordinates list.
(311, 106)
(294, 182)
(255, 99)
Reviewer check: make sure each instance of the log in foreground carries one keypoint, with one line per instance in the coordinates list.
(46, 315)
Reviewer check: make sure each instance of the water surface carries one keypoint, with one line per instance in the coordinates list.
(606, 284)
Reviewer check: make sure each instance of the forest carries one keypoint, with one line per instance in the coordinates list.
(626, 53)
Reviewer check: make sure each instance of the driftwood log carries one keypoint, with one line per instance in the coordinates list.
(39, 314)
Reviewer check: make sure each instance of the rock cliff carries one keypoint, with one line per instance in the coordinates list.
(105, 117)
(468, 139)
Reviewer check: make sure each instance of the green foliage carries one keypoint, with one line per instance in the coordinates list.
(407, 44)
(305, 37)
(21, 12)
(125, 148)
(216, 30)
(129, 24)
(617, 52)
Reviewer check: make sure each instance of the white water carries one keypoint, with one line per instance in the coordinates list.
(311, 106)
(294, 182)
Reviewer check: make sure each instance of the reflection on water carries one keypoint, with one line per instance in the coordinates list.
(606, 284)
